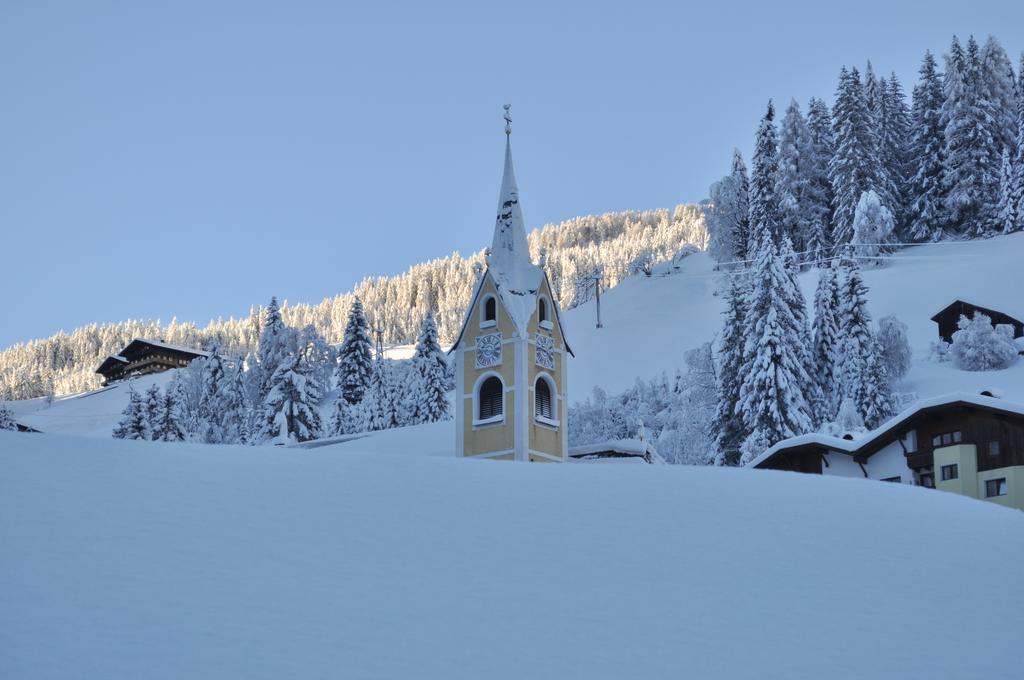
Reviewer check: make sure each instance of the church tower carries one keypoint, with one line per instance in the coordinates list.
(510, 355)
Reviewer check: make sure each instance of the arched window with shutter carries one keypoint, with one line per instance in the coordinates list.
(544, 400)
(490, 399)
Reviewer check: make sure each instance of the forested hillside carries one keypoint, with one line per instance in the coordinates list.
(612, 244)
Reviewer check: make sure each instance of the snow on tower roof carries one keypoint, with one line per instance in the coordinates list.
(516, 277)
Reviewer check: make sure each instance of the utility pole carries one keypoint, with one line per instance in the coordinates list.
(596, 278)
(379, 331)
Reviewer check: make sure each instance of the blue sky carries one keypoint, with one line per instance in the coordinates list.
(190, 158)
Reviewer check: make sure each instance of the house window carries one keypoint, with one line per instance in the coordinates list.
(490, 402)
(542, 310)
(946, 439)
(489, 312)
(993, 448)
(927, 480)
(542, 399)
(995, 487)
(897, 479)
(950, 472)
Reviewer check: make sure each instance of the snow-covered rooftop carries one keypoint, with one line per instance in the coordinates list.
(850, 445)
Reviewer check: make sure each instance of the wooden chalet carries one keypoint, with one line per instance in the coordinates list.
(969, 444)
(949, 316)
(141, 357)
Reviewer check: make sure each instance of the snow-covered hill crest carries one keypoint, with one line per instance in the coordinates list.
(142, 559)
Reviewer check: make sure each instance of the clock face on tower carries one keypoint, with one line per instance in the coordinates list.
(545, 352)
(488, 350)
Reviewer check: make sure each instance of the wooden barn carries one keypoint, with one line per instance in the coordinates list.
(141, 357)
(948, 318)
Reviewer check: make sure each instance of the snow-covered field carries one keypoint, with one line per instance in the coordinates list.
(148, 560)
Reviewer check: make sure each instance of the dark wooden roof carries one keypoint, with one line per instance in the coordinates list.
(111, 363)
(961, 307)
(897, 427)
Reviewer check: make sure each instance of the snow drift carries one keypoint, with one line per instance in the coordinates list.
(138, 559)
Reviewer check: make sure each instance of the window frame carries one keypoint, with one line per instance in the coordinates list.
(489, 298)
(544, 321)
(478, 402)
(994, 444)
(553, 393)
(898, 479)
(940, 440)
(953, 468)
(930, 477)
(1001, 486)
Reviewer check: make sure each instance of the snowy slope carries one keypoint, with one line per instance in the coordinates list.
(91, 414)
(650, 322)
(148, 560)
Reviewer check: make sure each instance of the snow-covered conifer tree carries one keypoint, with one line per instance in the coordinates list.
(133, 423)
(863, 374)
(925, 189)
(826, 342)
(895, 148)
(872, 227)
(290, 413)
(383, 403)
(355, 358)
(970, 174)
(272, 347)
(728, 427)
(853, 167)
(873, 398)
(793, 176)
(1006, 209)
(7, 418)
(430, 369)
(347, 418)
(764, 211)
(728, 213)
(168, 426)
(818, 198)
(152, 403)
(773, 394)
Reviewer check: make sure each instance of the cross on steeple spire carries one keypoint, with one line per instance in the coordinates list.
(509, 247)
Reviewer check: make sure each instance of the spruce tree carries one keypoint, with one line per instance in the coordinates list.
(927, 156)
(1006, 211)
(826, 343)
(1017, 190)
(133, 423)
(971, 171)
(773, 394)
(290, 413)
(431, 370)
(728, 215)
(763, 200)
(347, 418)
(153, 403)
(272, 347)
(7, 417)
(863, 373)
(793, 177)
(168, 426)
(895, 150)
(728, 427)
(355, 358)
(818, 199)
(853, 167)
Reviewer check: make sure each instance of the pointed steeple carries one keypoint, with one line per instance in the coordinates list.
(509, 247)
